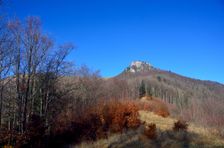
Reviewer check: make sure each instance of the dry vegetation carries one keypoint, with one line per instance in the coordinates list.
(159, 134)
(155, 105)
(157, 131)
(96, 122)
(46, 102)
(104, 118)
(193, 100)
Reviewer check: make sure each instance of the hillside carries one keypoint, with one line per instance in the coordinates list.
(195, 136)
(197, 101)
(86, 110)
(164, 134)
(52, 93)
(171, 86)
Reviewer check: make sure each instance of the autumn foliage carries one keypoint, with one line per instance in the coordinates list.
(121, 115)
(154, 105)
(97, 121)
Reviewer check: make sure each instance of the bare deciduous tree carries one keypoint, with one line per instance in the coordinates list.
(37, 67)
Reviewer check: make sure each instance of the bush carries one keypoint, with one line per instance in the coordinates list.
(180, 125)
(162, 113)
(150, 131)
(71, 128)
(155, 105)
(96, 121)
(123, 115)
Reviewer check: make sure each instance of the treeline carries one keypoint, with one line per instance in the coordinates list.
(168, 93)
(30, 67)
(37, 83)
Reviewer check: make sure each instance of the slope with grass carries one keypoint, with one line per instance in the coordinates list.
(194, 136)
(158, 130)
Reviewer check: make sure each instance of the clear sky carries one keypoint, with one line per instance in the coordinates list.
(184, 36)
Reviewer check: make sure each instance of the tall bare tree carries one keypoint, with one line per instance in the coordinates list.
(33, 54)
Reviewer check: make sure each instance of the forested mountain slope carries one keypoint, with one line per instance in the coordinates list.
(170, 86)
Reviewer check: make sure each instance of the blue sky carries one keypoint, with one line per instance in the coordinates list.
(186, 37)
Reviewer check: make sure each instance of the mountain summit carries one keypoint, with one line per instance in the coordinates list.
(138, 66)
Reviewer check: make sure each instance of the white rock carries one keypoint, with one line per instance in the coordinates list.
(137, 66)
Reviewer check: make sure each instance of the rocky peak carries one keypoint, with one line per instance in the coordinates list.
(139, 66)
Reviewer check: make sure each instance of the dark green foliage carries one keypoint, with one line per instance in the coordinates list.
(148, 90)
(142, 89)
(159, 78)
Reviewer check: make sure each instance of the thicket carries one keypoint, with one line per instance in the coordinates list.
(155, 105)
(96, 122)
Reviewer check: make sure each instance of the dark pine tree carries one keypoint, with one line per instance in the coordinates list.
(142, 91)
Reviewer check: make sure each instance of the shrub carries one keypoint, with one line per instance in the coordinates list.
(74, 128)
(96, 121)
(180, 125)
(118, 115)
(162, 113)
(150, 131)
(155, 105)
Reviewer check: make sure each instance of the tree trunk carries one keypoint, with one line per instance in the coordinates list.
(1, 105)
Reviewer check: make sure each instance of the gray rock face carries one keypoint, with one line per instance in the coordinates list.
(139, 66)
